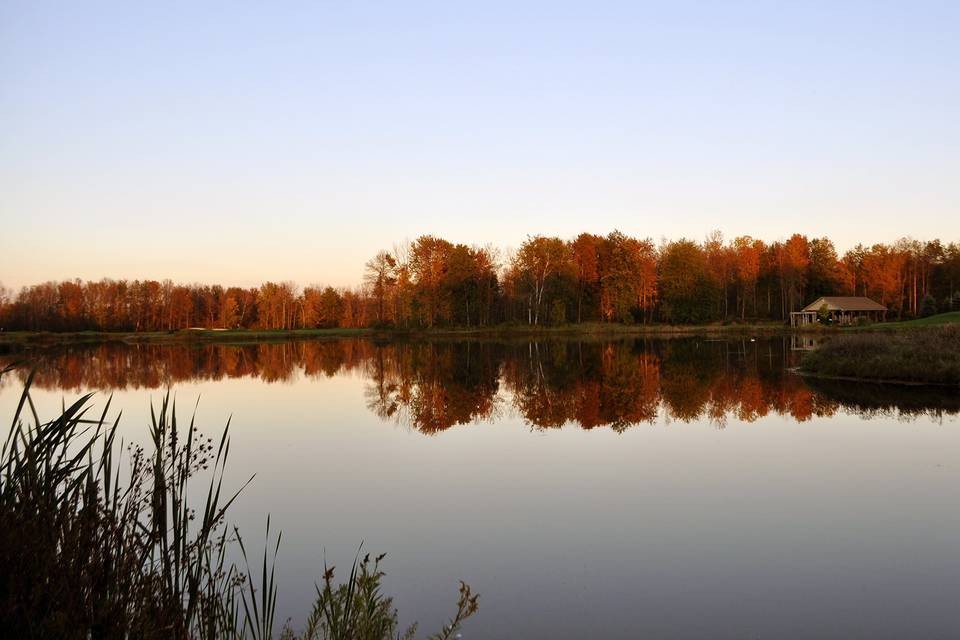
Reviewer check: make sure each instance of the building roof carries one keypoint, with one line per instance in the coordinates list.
(845, 303)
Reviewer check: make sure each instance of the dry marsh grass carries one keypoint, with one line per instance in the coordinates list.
(930, 356)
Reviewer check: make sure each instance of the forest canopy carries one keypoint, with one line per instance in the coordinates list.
(432, 282)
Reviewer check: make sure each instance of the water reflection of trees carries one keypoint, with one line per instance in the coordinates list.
(870, 399)
(435, 385)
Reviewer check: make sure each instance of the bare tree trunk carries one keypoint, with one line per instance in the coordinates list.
(579, 301)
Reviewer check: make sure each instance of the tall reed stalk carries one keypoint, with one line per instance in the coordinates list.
(92, 546)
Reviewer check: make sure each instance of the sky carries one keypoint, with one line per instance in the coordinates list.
(241, 142)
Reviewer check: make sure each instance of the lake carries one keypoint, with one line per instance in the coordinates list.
(676, 488)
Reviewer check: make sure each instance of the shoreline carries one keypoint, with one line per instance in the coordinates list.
(504, 331)
(586, 330)
(906, 357)
(879, 381)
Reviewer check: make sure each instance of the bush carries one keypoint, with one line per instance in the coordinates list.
(823, 314)
(358, 609)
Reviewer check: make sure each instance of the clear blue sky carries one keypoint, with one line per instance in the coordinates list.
(237, 142)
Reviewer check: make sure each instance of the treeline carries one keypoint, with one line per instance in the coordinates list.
(615, 278)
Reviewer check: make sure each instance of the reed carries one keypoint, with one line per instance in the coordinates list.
(95, 546)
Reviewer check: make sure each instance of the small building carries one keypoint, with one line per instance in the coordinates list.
(841, 310)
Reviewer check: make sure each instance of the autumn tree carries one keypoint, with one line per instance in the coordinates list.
(884, 275)
(146, 305)
(793, 258)
(720, 266)
(230, 308)
(823, 271)
(429, 260)
(850, 271)
(404, 287)
(461, 283)
(380, 277)
(277, 305)
(311, 306)
(923, 259)
(746, 269)
(538, 259)
(585, 253)
(628, 278)
(329, 308)
(687, 292)
(322, 307)
(71, 306)
(354, 309)
(485, 265)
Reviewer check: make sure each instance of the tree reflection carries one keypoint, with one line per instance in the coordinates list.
(434, 385)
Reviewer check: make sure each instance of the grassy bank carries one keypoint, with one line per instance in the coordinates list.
(246, 336)
(930, 356)
(951, 318)
(240, 336)
(185, 335)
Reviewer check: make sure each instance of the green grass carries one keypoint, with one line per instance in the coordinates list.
(940, 319)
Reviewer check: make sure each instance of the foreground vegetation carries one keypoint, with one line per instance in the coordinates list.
(90, 551)
(930, 356)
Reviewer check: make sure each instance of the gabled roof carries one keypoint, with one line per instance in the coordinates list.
(845, 303)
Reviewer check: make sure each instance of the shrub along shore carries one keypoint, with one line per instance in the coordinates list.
(929, 356)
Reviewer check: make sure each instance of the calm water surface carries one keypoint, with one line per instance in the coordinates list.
(687, 488)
